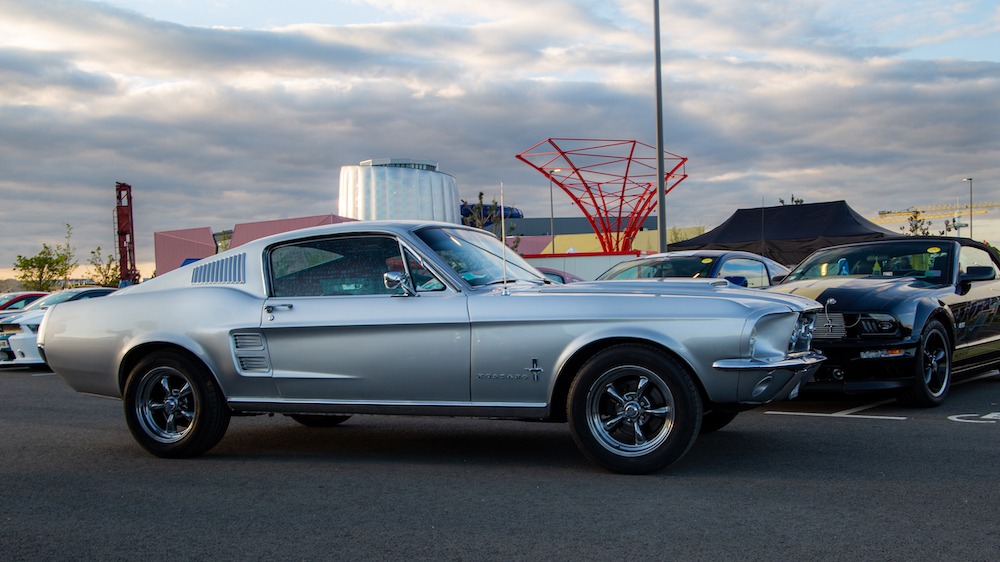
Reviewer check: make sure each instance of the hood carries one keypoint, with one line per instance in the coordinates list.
(858, 293)
(670, 286)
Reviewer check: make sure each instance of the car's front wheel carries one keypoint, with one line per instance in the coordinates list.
(173, 407)
(634, 410)
(932, 376)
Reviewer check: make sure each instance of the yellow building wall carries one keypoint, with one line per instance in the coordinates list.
(646, 241)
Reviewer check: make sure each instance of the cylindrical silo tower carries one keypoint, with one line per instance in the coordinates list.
(398, 188)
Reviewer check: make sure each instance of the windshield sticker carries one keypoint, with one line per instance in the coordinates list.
(706, 260)
(933, 250)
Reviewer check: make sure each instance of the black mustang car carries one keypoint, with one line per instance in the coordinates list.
(903, 314)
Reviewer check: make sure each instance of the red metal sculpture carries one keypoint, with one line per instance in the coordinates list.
(612, 181)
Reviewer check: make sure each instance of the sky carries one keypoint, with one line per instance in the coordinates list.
(220, 112)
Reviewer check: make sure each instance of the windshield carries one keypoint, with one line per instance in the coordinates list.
(477, 256)
(921, 259)
(671, 266)
(49, 300)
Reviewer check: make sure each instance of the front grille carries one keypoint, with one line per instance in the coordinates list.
(829, 326)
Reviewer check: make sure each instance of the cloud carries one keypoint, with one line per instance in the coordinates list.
(220, 125)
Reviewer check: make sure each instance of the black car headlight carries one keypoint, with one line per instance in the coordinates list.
(876, 324)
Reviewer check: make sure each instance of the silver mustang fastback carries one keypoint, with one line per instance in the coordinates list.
(434, 319)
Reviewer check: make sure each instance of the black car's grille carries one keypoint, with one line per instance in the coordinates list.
(829, 326)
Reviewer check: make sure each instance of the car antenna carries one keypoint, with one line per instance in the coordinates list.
(503, 240)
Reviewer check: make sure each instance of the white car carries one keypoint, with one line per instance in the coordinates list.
(18, 335)
(19, 332)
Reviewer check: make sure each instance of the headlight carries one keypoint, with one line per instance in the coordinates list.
(802, 335)
(877, 325)
(774, 336)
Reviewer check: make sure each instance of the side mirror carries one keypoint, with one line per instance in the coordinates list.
(777, 279)
(977, 273)
(397, 280)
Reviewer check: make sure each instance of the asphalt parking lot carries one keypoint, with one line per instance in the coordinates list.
(824, 478)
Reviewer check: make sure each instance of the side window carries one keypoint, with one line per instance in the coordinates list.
(970, 256)
(753, 270)
(334, 266)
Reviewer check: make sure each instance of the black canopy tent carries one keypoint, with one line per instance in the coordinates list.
(788, 233)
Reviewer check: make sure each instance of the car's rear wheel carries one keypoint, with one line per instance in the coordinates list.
(932, 377)
(320, 420)
(634, 410)
(173, 407)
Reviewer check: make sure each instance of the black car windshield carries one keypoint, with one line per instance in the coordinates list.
(478, 257)
(928, 260)
(671, 266)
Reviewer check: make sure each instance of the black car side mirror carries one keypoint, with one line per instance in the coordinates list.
(977, 273)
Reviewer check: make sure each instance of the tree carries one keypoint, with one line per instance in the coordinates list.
(487, 216)
(105, 270)
(794, 200)
(916, 225)
(45, 270)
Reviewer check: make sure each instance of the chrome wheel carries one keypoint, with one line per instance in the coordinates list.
(173, 407)
(630, 411)
(166, 404)
(633, 409)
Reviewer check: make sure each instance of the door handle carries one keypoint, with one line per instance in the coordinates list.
(271, 307)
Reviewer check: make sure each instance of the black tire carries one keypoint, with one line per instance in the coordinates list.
(714, 420)
(932, 368)
(634, 410)
(173, 407)
(320, 420)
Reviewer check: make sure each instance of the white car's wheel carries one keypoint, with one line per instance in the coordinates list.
(173, 407)
(634, 410)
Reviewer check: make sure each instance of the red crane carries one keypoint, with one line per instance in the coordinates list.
(126, 235)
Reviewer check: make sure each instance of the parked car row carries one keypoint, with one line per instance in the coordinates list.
(638, 362)
(18, 332)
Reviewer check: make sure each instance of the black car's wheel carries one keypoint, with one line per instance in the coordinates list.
(173, 407)
(320, 420)
(932, 378)
(714, 420)
(634, 410)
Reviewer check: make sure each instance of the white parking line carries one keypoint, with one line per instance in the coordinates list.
(850, 413)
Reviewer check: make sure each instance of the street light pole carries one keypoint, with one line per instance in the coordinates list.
(661, 199)
(970, 205)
